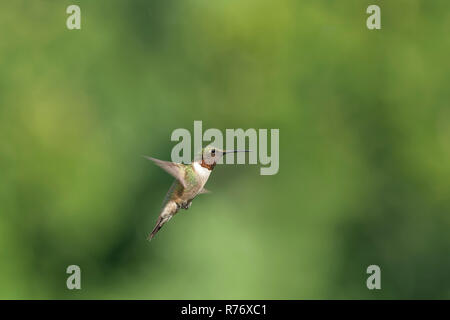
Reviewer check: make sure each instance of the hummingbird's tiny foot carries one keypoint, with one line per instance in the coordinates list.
(186, 205)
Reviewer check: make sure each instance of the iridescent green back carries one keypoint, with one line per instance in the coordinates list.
(177, 189)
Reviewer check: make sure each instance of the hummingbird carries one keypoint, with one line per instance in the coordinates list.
(190, 180)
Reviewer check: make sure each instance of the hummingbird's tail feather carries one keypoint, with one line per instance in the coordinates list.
(161, 221)
(169, 210)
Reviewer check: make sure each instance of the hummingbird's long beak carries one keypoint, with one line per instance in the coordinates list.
(234, 151)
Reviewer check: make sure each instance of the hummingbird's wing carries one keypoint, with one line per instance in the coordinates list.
(204, 190)
(175, 169)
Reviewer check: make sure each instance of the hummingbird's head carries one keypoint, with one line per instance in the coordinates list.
(210, 155)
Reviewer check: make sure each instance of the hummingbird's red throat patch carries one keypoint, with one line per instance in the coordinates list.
(207, 166)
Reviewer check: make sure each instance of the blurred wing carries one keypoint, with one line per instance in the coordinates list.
(175, 169)
(204, 190)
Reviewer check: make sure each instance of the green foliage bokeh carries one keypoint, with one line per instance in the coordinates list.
(364, 125)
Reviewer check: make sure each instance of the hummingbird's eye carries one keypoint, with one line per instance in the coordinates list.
(213, 152)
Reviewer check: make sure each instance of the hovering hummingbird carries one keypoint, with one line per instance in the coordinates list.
(190, 180)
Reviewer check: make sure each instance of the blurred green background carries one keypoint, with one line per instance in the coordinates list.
(364, 123)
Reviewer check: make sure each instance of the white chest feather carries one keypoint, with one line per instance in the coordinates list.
(202, 172)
